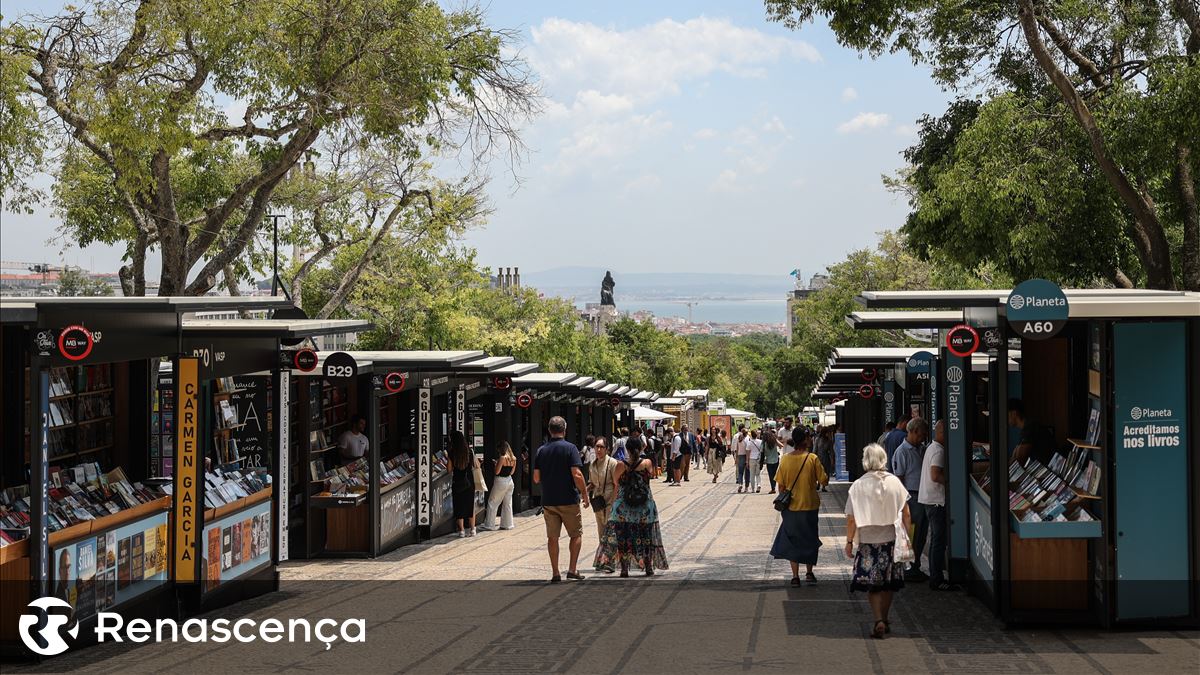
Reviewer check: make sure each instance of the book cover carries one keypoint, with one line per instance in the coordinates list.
(137, 557)
(150, 542)
(213, 555)
(236, 545)
(161, 541)
(247, 534)
(226, 549)
(1093, 427)
(124, 569)
(85, 600)
(110, 548)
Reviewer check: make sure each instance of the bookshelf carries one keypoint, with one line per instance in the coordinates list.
(81, 419)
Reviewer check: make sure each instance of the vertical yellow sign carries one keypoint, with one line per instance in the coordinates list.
(187, 472)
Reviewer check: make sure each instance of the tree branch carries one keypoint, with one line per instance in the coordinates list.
(1088, 67)
(1186, 185)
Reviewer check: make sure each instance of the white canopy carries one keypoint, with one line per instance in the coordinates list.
(734, 412)
(645, 413)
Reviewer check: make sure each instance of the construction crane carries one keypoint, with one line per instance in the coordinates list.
(37, 268)
(690, 304)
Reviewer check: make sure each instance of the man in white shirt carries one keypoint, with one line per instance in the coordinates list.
(785, 434)
(353, 443)
(932, 495)
(740, 451)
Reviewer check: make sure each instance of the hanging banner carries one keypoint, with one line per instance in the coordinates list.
(284, 443)
(1037, 309)
(424, 455)
(187, 469)
(919, 383)
(958, 449)
(889, 397)
(460, 411)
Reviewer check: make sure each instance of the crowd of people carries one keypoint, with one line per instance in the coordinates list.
(891, 510)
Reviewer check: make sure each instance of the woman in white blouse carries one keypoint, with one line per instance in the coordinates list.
(876, 501)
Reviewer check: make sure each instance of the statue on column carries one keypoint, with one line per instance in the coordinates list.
(606, 290)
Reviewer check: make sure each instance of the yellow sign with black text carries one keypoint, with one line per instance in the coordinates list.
(187, 469)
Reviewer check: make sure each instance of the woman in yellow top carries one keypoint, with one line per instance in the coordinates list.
(798, 540)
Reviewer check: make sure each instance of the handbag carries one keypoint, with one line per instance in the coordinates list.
(477, 474)
(784, 499)
(599, 503)
(902, 552)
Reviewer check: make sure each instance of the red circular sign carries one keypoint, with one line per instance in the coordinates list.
(868, 374)
(616, 402)
(524, 400)
(502, 383)
(866, 391)
(962, 340)
(305, 360)
(394, 381)
(75, 343)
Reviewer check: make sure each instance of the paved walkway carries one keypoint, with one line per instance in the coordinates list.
(482, 604)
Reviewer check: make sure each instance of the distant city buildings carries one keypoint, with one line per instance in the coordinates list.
(798, 294)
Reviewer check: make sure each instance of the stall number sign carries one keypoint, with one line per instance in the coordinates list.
(962, 340)
(424, 455)
(340, 366)
(1037, 309)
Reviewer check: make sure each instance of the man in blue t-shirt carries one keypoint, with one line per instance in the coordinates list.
(559, 469)
(894, 438)
(906, 465)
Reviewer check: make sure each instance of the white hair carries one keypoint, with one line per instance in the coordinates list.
(874, 457)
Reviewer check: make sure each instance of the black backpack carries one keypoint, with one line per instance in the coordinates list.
(637, 488)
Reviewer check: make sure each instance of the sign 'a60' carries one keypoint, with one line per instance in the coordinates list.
(339, 366)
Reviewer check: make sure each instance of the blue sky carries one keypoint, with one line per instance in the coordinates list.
(676, 136)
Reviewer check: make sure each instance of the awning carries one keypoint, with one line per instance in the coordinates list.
(515, 370)
(734, 412)
(650, 414)
(1093, 303)
(431, 361)
(16, 312)
(278, 328)
(544, 381)
(862, 319)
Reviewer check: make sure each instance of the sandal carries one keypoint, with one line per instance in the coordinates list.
(795, 581)
(810, 578)
(877, 633)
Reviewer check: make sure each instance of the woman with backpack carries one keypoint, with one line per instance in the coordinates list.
(716, 453)
(632, 535)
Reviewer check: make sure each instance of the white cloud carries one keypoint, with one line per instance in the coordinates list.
(864, 121)
(849, 94)
(705, 134)
(775, 126)
(906, 130)
(654, 60)
(726, 181)
(644, 183)
(606, 139)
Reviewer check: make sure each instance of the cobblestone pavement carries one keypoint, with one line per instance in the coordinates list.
(482, 604)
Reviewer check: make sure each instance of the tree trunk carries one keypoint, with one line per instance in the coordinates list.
(1186, 184)
(172, 235)
(1146, 229)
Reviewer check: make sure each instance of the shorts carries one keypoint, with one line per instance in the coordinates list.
(558, 516)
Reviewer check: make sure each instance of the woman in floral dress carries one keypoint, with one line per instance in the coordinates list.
(632, 535)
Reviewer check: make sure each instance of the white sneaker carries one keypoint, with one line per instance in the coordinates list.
(472, 532)
(462, 534)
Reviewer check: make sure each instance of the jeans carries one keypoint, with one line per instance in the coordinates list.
(936, 517)
(501, 495)
(921, 529)
(753, 470)
(771, 469)
(742, 477)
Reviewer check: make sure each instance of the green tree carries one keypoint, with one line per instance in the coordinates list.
(72, 282)
(1126, 75)
(130, 90)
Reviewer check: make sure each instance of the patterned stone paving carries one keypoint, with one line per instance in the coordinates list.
(482, 605)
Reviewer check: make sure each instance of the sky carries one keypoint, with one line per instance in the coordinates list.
(675, 136)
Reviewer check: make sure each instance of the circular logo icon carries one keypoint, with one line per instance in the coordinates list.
(868, 374)
(502, 383)
(394, 381)
(75, 343)
(1135, 413)
(45, 341)
(305, 360)
(616, 402)
(889, 396)
(954, 374)
(1016, 301)
(42, 631)
(866, 391)
(912, 363)
(524, 400)
(962, 340)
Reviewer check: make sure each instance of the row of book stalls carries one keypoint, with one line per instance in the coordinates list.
(1070, 422)
(159, 465)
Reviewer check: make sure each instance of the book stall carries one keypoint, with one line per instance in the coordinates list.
(84, 514)
(491, 419)
(245, 430)
(1100, 524)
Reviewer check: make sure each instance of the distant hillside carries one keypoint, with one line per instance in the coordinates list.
(584, 281)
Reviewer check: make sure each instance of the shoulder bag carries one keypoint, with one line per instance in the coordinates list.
(783, 500)
(599, 503)
(477, 474)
